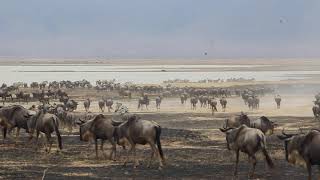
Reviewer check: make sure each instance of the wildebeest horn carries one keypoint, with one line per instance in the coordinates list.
(225, 129)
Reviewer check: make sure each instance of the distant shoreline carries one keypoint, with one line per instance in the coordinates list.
(258, 61)
(247, 64)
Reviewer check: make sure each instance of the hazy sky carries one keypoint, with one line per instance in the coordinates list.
(159, 28)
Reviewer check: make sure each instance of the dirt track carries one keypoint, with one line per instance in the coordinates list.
(193, 146)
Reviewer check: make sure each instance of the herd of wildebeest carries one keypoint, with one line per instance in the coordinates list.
(56, 110)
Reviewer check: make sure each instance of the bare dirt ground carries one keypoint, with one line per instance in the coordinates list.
(193, 145)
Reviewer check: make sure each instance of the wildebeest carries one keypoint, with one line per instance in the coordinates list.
(46, 123)
(249, 141)
(143, 101)
(253, 102)
(71, 105)
(99, 127)
(302, 149)
(101, 104)
(14, 116)
(277, 99)
(203, 101)
(183, 98)
(125, 93)
(316, 111)
(158, 102)
(213, 105)
(21, 96)
(70, 118)
(223, 103)
(138, 131)
(264, 124)
(86, 104)
(193, 101)
(109, 103)
(4, 94)
(236, 121)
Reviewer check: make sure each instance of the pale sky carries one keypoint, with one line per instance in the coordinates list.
(160, 28)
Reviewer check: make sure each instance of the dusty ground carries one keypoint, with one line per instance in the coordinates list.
(193, 146)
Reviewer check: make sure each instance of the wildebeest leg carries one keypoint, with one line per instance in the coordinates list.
(309, 170)
(152, 154)
(254, 163)
(4, 133)
(135, 162)
(102, 141)
(237, 161)
(70, 128)
(161, 160)
(48, 136)
(101, 148)
(17, 134)
(96, 146)
(37, 138)
(114, 149)
(129, 152)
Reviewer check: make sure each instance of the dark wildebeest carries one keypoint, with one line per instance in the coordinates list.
(86, 104)
(158, 102)
(213, 105)
(193, 101)
(101, 104)
(253, 102)
(4, 94)
(46, 123)
(264, 124)
(256, 102)
(203, 101)
(249, 141)
(277, 99)
(143, 101)
(183, 98)
(316, 111)
(302, 149)
(71, 105)
(223, 103)
(14, 116)
(138, 131)
(70, 119)
(125, 93)
(21, 96)
(99, 127)
(109, 103)
(236, 121)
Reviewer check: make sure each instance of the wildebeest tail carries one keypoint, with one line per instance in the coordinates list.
(56, 129)
(264, 151)
(115, 135)
(4, 131)
(158, 133)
